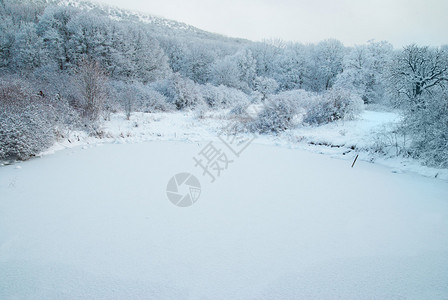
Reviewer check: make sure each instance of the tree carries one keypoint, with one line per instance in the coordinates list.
(327, 57)
(225, 71)
(91, 80)
(7, 35)
(266, 54)
(364, 71)
(186, 94)
(419, 77)
(291, 67)
(177, 53)
(134, 55)
(200, 58)
(28, 50)
(128, 98)
(89, 37)
(236, 71)
(265, 86)
(416, 71)
(53, 27)
(247, 69)
(22, 11)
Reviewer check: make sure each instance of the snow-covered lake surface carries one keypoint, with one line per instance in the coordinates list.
(279, 223)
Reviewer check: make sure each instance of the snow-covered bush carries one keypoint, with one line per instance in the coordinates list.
(222, 96)
(139, 97)
(179, 91)
(26, 121)
(152, 101)
(279, 113)
(335, 104)
(288, 109)
(238, 110)
(59, 92)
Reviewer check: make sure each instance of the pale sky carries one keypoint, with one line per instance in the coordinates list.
(400, 22)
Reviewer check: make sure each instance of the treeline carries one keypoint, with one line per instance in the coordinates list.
(79, 65)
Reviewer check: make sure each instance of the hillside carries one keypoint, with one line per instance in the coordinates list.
(158, 25)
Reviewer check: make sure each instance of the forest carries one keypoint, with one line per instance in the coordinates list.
(69, 65)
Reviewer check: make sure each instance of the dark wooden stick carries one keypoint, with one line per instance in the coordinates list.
(354, 162)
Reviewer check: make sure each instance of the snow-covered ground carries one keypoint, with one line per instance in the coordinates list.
(342, 139)
(279, 223)
(288, 219)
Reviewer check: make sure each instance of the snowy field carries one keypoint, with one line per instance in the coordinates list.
(336, 139)
(94, 222)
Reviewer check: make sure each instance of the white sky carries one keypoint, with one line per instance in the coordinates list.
(400, 22)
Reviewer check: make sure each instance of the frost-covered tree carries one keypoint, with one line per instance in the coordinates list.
(28, 51)
(53, 27)
(89, 37)
(327, 58)
(137, 97)
(236, 71)
(7, 35)
(292, 67)
(142, 57)
(177, 53)
(265, 86)
(200, 59)
(91, 81)
(128, 101)
(22, 11)
(266, 55)
(419, 85)
(416, 71)
(364, 71)
(247, 69)
(191, 58)
(226, 72)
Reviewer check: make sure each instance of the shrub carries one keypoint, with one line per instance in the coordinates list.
(222, 96)
(279, 113)
(288, 109)
(181, 92)
(335, 104)
(27, 123)
(59, 92)
(138, 97)
(153, 101)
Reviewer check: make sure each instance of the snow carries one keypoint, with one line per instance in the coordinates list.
(279, 223)
(341, 139)
(358, 133)
(283, 221)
